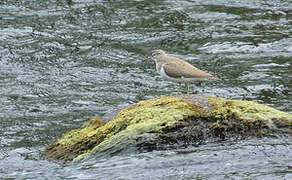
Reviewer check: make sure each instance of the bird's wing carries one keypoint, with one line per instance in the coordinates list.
(181, 69)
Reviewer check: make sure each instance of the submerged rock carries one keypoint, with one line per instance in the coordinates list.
(169, 122)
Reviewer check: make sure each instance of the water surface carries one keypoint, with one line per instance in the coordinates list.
(63, 62)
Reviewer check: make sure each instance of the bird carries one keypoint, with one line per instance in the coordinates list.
(177, 70)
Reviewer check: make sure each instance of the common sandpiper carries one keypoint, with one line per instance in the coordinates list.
(177, 70)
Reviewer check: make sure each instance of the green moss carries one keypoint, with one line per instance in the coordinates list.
(249, 112)
(74, 142)
(169, 120)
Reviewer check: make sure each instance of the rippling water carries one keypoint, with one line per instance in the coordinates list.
(63, 62)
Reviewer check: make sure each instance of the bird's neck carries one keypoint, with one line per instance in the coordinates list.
(162, 59)
(159, 62)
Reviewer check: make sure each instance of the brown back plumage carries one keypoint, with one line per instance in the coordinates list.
(178, 68)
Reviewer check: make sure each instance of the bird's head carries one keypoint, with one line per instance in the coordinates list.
(157, 54)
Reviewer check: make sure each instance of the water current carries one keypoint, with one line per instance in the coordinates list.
(64, 62)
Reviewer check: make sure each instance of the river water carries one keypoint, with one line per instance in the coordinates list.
(63, 62)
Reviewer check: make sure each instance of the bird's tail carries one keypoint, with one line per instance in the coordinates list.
(215, 78)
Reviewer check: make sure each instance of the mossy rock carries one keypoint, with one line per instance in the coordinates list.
(169, 122)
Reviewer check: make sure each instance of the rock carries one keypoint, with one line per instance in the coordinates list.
(170, 122)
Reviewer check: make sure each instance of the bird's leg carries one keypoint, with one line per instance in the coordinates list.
(199, 84)
(186, 86)
(188, 91)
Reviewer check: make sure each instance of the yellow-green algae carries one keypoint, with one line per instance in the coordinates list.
(151, 119)
(251, 112)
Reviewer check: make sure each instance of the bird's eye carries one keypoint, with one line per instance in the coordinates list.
(154, 54)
